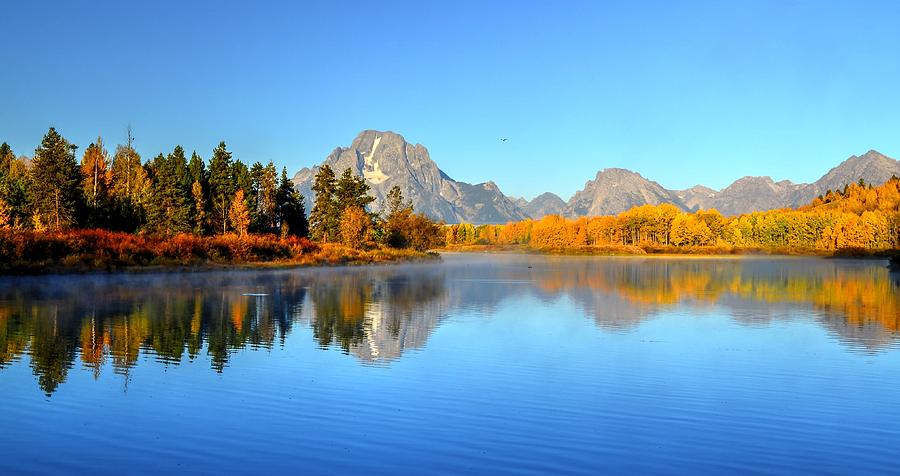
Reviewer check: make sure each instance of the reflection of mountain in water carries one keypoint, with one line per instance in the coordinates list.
(377, 313)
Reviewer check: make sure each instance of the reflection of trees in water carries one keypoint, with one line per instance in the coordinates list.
(110, 321)
(113, 319)
(855, 300)
(377, 313)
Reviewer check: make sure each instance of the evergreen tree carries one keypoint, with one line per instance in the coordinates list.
(326, 212)
(268, 199)
(221, 185)
(290, 209)
(197, 169)
(6, 159)
(57, 195)
(352, 191)
(264, 196)
(170, 205)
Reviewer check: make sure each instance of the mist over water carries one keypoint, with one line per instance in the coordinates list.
(486, 363)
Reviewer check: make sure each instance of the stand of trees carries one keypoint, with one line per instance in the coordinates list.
(166, 195)
(340, 214)
(858, 217)
(172, 194)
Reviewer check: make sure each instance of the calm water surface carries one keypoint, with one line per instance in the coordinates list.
(479, 364)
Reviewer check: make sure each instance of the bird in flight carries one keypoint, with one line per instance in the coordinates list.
(504, 139)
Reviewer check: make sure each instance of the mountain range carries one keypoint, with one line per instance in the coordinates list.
(385, 159)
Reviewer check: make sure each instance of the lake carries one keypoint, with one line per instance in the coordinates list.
(489, 364)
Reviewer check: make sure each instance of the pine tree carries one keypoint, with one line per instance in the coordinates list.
(197, 169)
(170, 205)
(290, 208)
(326, 212)
(222, 185)
(263, 197)
(56, 176)
(6, 159)
(352, 191)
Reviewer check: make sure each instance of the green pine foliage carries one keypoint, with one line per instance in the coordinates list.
(290, 209)
(58, 201)
(325, 215)
(222, 186)
(170, 206)
(352, 191)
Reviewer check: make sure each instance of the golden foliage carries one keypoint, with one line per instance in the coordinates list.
(355, 227)
(5, 221)
(239, 214)
(860, 217)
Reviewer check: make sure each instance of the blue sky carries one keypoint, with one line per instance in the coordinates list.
(682, 92)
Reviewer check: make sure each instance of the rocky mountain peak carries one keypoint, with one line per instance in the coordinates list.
(545, 204)
(385, 159)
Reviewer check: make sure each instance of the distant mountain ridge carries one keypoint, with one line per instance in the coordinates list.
(385, 159)
(616, 190)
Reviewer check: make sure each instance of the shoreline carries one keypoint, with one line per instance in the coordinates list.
(98, 251)
(695, 253)
(214, 267)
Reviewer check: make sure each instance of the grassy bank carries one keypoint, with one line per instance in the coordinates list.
(27, 252)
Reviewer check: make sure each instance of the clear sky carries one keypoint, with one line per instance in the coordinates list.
(682, 92)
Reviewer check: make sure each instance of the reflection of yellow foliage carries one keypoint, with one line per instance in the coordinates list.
(126, 337)
(237, 314)
(862, 296)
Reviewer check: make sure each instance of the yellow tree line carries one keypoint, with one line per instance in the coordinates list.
(860, 216)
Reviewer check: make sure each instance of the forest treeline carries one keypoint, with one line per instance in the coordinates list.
(859, 217)
(222, 210)
(118, 210)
